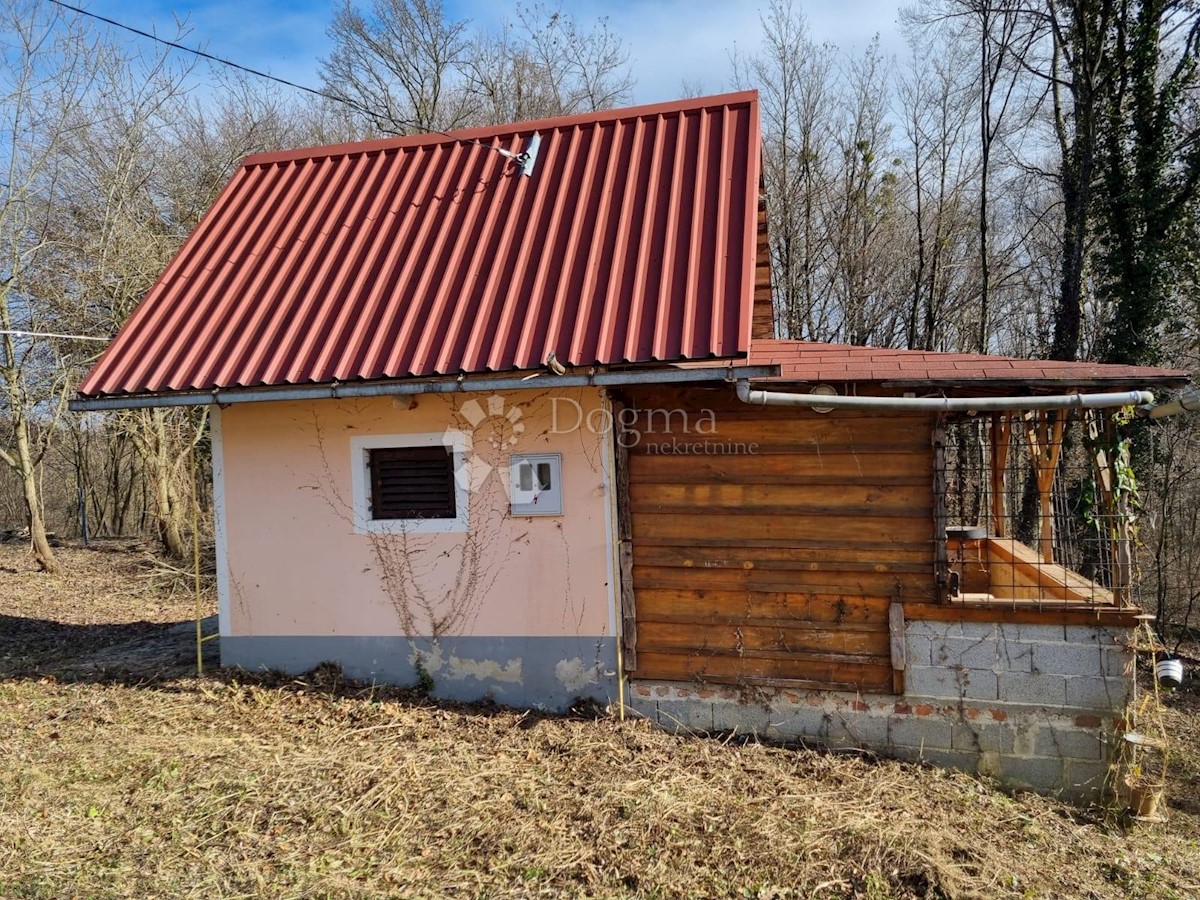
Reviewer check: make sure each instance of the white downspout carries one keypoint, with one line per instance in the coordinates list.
(943, 404)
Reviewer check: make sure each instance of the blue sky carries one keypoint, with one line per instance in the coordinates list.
(670, 41)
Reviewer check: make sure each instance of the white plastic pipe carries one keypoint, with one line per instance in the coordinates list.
(1187, 401)
(943, 404)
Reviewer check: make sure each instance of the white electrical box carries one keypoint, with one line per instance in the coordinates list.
(536, 484)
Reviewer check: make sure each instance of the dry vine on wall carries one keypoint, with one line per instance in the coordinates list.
(412, 566)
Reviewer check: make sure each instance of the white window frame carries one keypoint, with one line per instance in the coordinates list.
(360, 482)
(530, 509)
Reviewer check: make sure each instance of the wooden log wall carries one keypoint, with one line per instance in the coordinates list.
(770, 551)
(762, 323)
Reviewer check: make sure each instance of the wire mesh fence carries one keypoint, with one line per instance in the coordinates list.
(1030, 511)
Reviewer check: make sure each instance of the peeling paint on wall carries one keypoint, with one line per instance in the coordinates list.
(572, 674)
(519, 672)
(485, 670)
(430, 659)
(457, 668)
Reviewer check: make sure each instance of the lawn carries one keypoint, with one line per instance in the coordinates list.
(125, 775)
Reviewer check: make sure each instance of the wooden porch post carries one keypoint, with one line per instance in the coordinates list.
(1000, 436)
(1045, 444)
(1114, 506)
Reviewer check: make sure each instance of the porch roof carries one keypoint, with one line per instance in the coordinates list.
(806, 362)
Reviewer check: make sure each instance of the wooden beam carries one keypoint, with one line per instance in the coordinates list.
(628, 607)
(625, 545)
(776, 565)
(896, 636)
(1025, 612)
(1028, 574)
(1000, 436)
(1116, 520)
(1045, 445)
(941, 564)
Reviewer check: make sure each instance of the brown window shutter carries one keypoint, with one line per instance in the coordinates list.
(412, 483)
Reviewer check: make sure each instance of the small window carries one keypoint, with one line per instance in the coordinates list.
(536, 482)
(409, 483)
(412, 483)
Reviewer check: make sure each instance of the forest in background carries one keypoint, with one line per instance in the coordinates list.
(1024, 181)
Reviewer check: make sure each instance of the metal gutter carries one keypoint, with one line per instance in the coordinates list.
(943, 404)
(537, 380)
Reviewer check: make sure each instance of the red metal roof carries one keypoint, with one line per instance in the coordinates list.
(811, 362)
(632, 242)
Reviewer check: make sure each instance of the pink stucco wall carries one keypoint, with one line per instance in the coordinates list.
(295, 565)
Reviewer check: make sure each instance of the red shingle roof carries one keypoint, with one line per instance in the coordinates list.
(633, 241)
(802, 361)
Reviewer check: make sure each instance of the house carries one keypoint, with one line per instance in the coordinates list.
(502, 411)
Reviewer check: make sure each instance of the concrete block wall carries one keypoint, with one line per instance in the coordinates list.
(1037, 707)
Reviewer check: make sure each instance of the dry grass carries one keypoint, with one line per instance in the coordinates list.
(228, 787)
(112, 594)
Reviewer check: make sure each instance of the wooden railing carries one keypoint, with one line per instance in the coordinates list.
(1003, 569)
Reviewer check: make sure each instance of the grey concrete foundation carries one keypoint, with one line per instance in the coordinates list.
(1036, 707)
(535, 672)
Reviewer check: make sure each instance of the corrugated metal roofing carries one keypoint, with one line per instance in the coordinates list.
(803, 361)
(633, 242)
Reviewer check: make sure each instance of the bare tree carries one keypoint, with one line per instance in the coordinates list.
(861, 232)
(46, 73)
(399, 64)
(798, 93)
(1079, 63)
(507, 77)
(545, 64)
(165, 440)
(131, 193)
(137, 181)
(934, 102)
(1004, 38)
(408, 67)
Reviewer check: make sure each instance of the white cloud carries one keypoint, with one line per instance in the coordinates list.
(683, 41)
(676, 41)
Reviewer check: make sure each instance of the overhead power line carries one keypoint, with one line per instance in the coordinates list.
(217, 59)
(51, 334)
(521, 159)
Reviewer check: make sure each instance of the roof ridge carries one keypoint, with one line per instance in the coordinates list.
(510, 129)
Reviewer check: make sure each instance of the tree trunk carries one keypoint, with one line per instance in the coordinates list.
(164, 443)
(21, 458)
(1080, 43)
(38, 541)
(1068, 317)
(985, 154)
(169, 516)
(33, 511)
